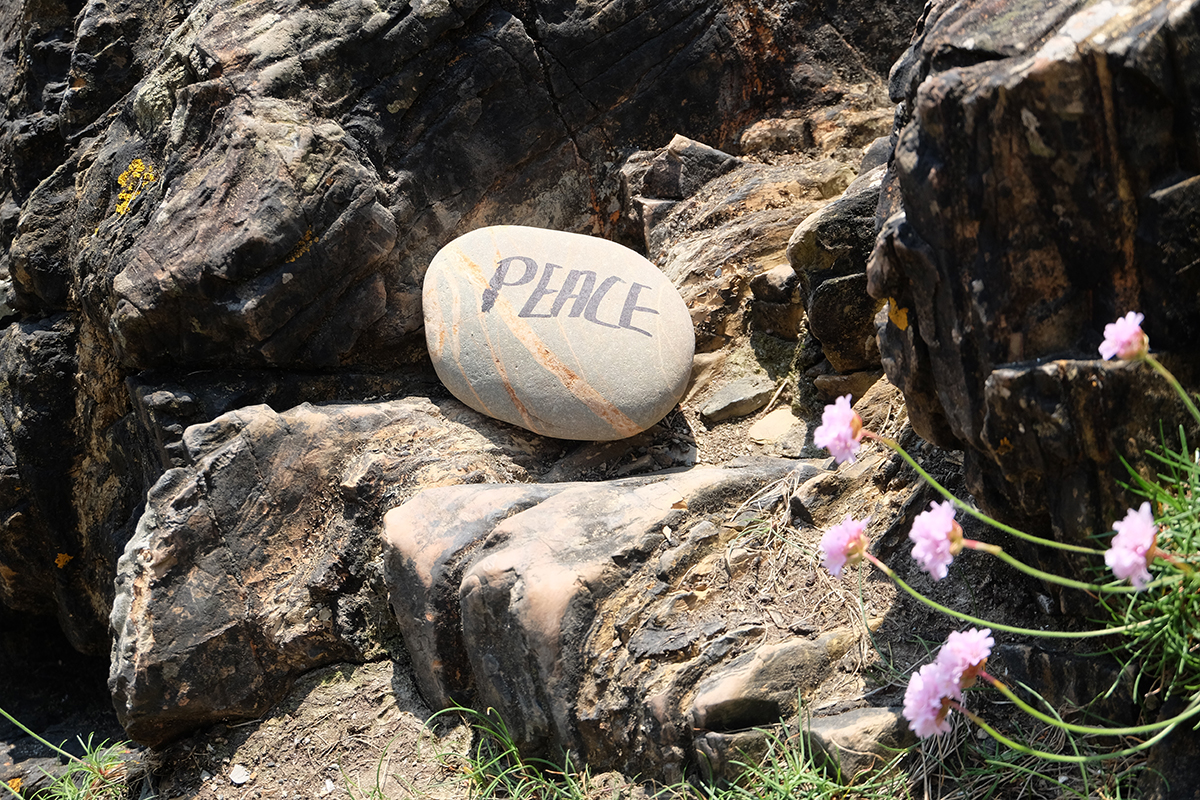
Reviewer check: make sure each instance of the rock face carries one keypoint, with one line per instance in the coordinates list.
(193, 189)
(215, 222)
(601, 350)
(36, 452)
(1044, 176)
(560, 606)
(255, 562)
(829, 253)
(714, 243)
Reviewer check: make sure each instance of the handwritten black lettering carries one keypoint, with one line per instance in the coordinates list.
(568, 292)
(489, 294)
(539, 292)
(593, 306)
(578, 288)
(632, 306)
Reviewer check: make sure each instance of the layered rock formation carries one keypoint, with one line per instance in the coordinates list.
(214, 213)
(192, 188)
(1044, 182)
(545, 603)
(255, 562)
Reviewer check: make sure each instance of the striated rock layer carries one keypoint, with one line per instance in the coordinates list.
(1044, 182)
(193, 188)
(547, 603)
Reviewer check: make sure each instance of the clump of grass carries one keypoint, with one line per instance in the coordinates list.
(101, 773)
(495, 768)
(789, 771)
(956, 765)
(1165, 619)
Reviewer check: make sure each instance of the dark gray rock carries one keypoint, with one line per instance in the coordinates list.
(829, 253)
(725, 756)
(1066, 679)
(841, 315)
(776, 306)
(1028, 211)
(859, 740)
(777, 285)
(253, 563)
(764, 686)
(36, 454)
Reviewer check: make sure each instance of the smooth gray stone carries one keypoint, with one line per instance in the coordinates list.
(563, 334)
(742, 397)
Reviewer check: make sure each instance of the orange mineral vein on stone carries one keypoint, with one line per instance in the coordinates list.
(457, 307)
(570, 380)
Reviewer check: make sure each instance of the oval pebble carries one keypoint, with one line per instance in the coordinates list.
(563, 334)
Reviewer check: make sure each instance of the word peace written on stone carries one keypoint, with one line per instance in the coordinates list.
(563, 334)
(578, 287)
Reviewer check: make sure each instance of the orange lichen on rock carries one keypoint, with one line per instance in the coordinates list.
(135, 177)
(302, 246)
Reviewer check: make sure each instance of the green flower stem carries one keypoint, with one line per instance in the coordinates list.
(886, 570)
(1138, 730)
(1020, 748)
(58, 750)
(974, 512)
(1049, 577)
(1169, 378)
(1179, 564)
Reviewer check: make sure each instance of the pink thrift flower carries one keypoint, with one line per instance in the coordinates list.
(927, 699)
(1124, 338)
(1132, 549)
(844, 543)
(965, 654)
(936, 538)
(840, 431)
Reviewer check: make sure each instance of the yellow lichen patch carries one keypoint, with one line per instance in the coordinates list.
(135, 178)
(302, 246)
(62, 560)
(898, 315)
(15, 784)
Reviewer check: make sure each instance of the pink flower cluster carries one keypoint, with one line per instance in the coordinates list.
(937, 538)
(1133, 548)
(936, 687)
(841, 430)
(844, 543)
(1124, 338)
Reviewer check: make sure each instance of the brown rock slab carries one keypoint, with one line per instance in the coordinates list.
(743, 396)
(566, 335)
(432, 557)
(858, 740)
(773, 426)
(763, 686)
(501, 592)
(856, 384)
(252, 563)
